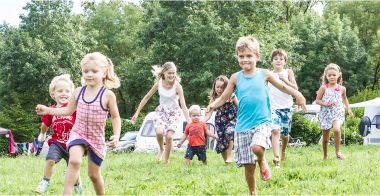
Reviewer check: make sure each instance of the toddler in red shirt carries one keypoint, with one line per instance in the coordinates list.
(196, 131)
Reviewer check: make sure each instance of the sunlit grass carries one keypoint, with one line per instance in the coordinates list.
(303, 172)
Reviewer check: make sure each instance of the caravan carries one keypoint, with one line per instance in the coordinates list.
(372, 113)
(146, 138)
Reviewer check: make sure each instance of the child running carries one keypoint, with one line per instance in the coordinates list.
(225, 119)
(61, 89)
(253, 127)
(196, 131)
(92, 103)
(168, 113)
(281, 104)
(332, 98)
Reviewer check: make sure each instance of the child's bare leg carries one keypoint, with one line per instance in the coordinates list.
(187, 162)
(276, 144)
(48, 171)
(285, 141)
(249, 171)
(95, 174)
(325, 142)
(160, 141)
(337, 138)
(228, 152)
(169, 143)
(72, 173)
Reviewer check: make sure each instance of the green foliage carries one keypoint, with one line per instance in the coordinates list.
(305, 129)
(364, 95)
(325, 41)
(3, 145)
(24, 124)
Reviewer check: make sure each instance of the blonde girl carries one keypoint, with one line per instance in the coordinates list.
(168, 112)
(332, 98)
(92, 102)
(225, 119)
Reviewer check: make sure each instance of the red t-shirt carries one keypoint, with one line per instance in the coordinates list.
(60, 126)
(196, 133)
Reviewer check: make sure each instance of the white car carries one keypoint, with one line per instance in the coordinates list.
(126, 143)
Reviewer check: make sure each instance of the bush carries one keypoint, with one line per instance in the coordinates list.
(305, 129)
(3, 145)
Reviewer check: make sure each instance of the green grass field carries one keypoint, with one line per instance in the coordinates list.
(303, 172)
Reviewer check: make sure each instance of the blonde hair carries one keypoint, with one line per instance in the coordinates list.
(221, 78)
(248, 42)
(279, 52)
(335, 67)
(56, 79)
(194, 108)
(158, 71)
(111, 80)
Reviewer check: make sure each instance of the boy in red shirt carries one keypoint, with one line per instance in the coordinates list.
(60, 89)
(196, 131)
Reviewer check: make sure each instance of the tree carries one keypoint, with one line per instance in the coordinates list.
(324, 41)
(359, 11)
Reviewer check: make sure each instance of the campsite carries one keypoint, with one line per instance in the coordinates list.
(128, 43)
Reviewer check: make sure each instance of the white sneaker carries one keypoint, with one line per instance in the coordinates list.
(78, 189)
(43, 186)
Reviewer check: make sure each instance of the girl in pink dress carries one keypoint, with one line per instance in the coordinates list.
(168, 113)
(92, 103)
(332, 98)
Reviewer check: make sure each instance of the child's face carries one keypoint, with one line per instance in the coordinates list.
(278, 62)
(247, 59)
(62, 92)
(170, 74)
(93, 74)
(195, 115)
(332, 76)
(219, 87)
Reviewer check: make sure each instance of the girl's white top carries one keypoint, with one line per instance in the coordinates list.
(168, 97)
(279, 99)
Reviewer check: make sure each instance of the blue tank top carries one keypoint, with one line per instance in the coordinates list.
(254, 103)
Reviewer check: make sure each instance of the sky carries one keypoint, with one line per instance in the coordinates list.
(10, 10)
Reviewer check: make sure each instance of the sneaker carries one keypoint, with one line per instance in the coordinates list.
(78, 189)
(276, 163)
(43, 186)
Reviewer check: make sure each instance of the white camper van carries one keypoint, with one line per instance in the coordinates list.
(146, 138)
(372, 113)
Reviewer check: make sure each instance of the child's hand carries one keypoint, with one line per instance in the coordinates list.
(114, 141)
(134, 118)
(41, 137)
(350, 114)
(41, 109)
(216, 137)
(301, 101)
(329, 104)
(209, 108)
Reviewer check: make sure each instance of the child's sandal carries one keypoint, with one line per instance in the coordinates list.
(265, 174)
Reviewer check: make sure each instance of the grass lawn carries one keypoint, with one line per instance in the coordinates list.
(303, 172)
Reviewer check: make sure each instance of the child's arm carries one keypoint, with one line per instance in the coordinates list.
(345, 102)
(144, 101)
(115, 118)
(235, 101)
(320, 94)
(226, 94)
(62, 111)
(183, 138)
(209, 133)
(208, 116)
(300, 99)
(290, 81)
(42, 135)
(182, 102)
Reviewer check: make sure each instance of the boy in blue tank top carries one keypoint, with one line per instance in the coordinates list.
(253, 127)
